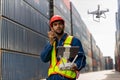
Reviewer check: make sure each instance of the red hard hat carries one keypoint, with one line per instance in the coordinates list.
(56, 18)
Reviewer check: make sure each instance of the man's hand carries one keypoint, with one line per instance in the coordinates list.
(51, 35)
(74, 66)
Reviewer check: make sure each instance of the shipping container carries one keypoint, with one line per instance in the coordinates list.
(101, 60)
(18, 38)
(26, 14)
(117, 38)
(82, 33)
(38, 6)
(64, 7)
(108, 63)
(23, 34)
(17, 66)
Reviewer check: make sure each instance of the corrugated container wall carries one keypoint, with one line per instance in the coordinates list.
(117, 45)
(101, 60)
(93, 49)
(118, 27)
(102, 63)
(81, 32)
(98, 57)
(117, 55)
(76, 26)
(23, 24)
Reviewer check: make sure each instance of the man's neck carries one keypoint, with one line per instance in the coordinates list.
(60, 36)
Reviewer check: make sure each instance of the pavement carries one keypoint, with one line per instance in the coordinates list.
(100, 75)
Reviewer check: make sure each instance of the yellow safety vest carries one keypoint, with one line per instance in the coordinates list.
(54, 65)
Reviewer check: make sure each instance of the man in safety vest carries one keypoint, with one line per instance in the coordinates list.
(57, 37)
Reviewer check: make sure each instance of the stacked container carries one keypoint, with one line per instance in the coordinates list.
(93, 46)
(80, 31)
(101, 61)
(108, 63)
(23, 24)
(117, 35)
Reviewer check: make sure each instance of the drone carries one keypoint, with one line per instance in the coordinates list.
(97, 14)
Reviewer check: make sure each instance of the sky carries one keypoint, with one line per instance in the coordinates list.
(103, 31)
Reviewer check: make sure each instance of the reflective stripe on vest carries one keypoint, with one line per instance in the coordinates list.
(54, 66)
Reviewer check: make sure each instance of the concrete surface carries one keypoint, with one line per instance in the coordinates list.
(100, 75)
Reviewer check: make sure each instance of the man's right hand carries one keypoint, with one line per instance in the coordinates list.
(52, 36)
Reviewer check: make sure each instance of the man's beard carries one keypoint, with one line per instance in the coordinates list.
(60, 33)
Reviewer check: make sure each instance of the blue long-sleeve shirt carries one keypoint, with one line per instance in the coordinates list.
(81, 59)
